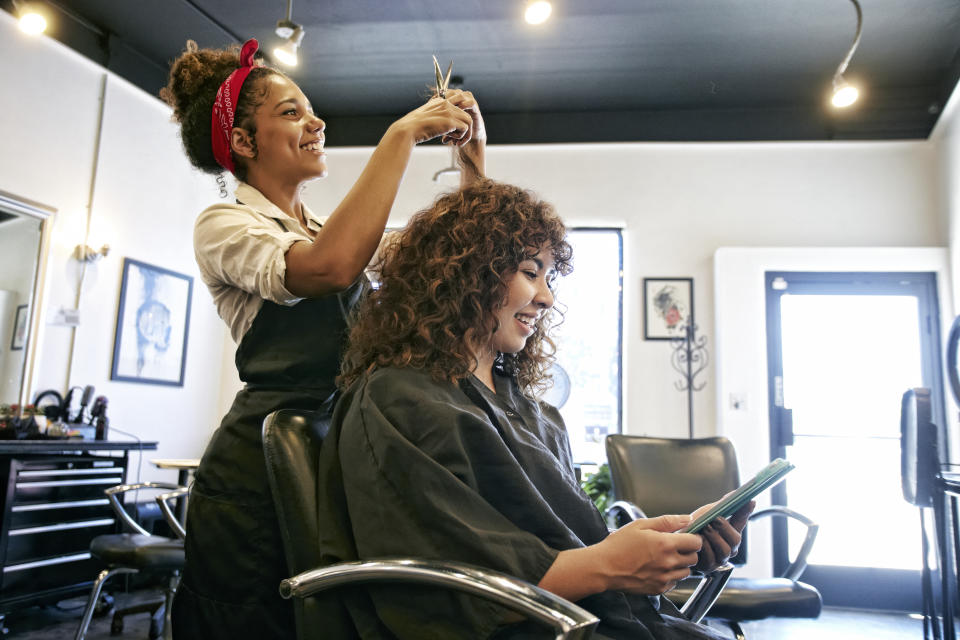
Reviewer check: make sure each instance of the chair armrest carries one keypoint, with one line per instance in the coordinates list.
(799, 565)
(706, 593)
(113, 492)
(163, 500)
(621, 512)
(572, 622)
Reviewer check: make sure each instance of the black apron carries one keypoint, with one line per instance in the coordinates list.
(288, 359)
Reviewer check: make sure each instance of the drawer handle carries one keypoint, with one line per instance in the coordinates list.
(44, 506)
(46, 563)
(68, 472)
(68, 483)
(61, 527)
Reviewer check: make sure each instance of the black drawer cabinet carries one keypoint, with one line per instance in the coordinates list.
(53, 505)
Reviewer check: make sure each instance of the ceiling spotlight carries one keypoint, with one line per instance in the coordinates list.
(31, 20)
(287, 52)
(537, 11)
(844, 94)
(293, 34)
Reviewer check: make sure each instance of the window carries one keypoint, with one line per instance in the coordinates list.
(587, 374)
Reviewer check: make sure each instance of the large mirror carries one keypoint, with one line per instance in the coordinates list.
(22, 225)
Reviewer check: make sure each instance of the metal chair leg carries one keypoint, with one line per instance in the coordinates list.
(737, 630)
(95, 595)
(171, 591)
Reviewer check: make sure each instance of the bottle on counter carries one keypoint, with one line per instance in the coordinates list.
(98, 416)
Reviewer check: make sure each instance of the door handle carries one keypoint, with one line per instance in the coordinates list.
(784, 426)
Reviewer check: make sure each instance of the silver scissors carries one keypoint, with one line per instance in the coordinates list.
(442, 82)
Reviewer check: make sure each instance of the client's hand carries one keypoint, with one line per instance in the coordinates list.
(646, 556)
(721, 538)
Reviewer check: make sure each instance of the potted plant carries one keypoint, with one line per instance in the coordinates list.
(599, 487)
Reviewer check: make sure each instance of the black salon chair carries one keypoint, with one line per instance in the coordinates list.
(953, 359)
(135, 553)
(655, 476)
(920, 479)
(291, 443)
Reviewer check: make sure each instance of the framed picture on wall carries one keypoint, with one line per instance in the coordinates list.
(19, 328)
(667, 307)
(153, 322)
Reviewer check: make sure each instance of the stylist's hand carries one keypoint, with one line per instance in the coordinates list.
(437, 117)
(646, 556)
(465, 100)
(721, 538)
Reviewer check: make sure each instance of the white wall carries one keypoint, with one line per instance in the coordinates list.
(50, 104)
(144, 199)
(678, 203)
(945, 139)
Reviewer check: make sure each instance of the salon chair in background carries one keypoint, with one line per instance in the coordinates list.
(927, 488)
(655, 476)
(137, 552)
(291, 444)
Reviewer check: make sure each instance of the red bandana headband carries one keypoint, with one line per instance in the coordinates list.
(225, 106)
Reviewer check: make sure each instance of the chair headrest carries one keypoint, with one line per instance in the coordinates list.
(919, 457)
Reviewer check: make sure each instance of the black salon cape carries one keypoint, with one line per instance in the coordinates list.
(455, 472)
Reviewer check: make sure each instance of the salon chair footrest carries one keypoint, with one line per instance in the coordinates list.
(757, 598)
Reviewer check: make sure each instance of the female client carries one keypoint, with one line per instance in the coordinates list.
(439, 448)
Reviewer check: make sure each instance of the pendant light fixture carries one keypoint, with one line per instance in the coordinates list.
(293, 34)
(844, 93)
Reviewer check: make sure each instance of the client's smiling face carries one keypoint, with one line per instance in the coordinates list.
(529, 295)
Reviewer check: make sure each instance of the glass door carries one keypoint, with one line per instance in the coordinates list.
(842, 350)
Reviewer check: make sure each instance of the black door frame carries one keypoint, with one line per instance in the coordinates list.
(867, 588)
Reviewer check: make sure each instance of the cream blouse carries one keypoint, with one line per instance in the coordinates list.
(241, 249)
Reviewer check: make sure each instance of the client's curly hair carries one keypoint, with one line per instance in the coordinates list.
(443, 278)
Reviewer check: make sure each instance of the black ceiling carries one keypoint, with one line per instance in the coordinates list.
(597, 71)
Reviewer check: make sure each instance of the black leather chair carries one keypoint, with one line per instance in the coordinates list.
(920, 479)
(134, 553)
(654, 476)
(953, 359)
(291, 443)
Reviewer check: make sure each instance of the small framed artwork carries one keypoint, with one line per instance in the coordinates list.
(19, 328)
(153, 322)
(667, 307)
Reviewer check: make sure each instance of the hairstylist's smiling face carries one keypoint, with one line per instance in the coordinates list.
(529, 296)
(289, 135)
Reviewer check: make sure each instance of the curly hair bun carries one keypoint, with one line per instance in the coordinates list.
(196, 74)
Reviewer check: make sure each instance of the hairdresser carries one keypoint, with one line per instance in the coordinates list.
(284, 280)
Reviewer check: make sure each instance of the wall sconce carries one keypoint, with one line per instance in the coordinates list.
(845, 94)
(31, 19)
(86, 253)
(293, 34)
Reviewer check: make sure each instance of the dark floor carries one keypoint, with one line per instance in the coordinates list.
(59, 623)
(839, 624)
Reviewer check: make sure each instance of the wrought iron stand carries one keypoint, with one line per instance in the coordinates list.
(689, 358)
